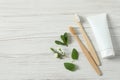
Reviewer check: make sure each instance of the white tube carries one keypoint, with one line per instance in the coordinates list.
(101, 32)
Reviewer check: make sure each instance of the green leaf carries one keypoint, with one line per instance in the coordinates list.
(70, 66)
(75, 54)
(59, 42)
(53, 50)
(66, 37)
(63, 38)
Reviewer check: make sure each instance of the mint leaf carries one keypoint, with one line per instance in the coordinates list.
(53, 50)
(63, 38)
(70, 66)
(59, 42)
(75, 54)
(66, 37)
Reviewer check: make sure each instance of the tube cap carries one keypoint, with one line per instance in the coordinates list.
(108, 53)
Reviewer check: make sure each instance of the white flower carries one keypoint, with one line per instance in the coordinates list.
(58, 49)
(61, 51)
(56, 55)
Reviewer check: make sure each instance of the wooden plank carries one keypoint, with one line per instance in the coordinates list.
(28, 29)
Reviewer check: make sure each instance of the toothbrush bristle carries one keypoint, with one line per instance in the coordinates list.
(72, 30)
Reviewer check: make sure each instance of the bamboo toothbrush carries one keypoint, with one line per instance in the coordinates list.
(88, 42)
(86, 52)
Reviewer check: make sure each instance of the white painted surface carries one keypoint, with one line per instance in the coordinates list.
(29, 27)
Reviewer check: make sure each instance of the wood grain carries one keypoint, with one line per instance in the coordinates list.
(29, 27)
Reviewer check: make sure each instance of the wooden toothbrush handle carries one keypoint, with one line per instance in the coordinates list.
(88, 56)
(89, 44)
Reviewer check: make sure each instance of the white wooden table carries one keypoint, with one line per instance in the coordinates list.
(28, 29)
